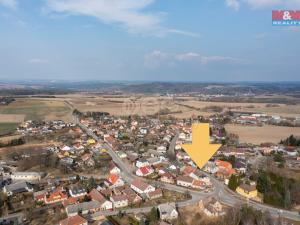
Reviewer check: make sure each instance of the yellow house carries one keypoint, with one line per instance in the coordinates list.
(91, 141)
(247, 190)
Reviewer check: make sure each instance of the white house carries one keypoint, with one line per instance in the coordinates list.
(184, 181)
(119, 201)
(167, 211)
(162, 149)
(141, 188)
(76, 192)
(27, 176)
(141, 163)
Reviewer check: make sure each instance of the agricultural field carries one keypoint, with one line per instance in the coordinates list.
(258, 135)
(35, 109)
(7, 128)
(179, 107)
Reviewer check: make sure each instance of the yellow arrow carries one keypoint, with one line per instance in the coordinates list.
(200, 150)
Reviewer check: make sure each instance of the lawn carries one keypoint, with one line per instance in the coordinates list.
(7, 128)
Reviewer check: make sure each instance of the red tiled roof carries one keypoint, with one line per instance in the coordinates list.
(113, 178)
(74, 220)
(140, 184)
(96, 196)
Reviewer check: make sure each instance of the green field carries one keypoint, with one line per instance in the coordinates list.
(7, 128)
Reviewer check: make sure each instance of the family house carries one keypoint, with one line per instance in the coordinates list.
(83, 208)
(247, 190)
(74, 220)
(141, 187)
(167, 211)
(144, 171)
(184, 181)
(119, 201)
(96, 196)
(26, 176)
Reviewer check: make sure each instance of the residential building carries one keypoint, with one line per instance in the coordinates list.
(76, 192)
(119, 201)
(247, 190)
(167, 211)
(74, 220)
(17, 188)
(141, 187)
(184, 181)
(26, 176)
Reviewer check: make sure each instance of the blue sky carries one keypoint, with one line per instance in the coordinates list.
(161, 40)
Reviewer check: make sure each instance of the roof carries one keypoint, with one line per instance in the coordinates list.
(96, 196)
(248, 187)
(166, 208)
(188, 170)
(224, 164)
(83, 207)
(74, 220)
(118, 198)
(185, 179)
(157, 192)
(17, 186)
(113, 178)
(140, 184)
(145, 169)
(77, 190)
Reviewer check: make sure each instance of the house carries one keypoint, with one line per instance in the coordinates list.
(115, 180)
(26, 176)
(167, 211)
(225, 169)
(131, 195)
(144, 171)
(114, 169)
(122, 154)
(39, 195)
(154, 161)
(119, 201)
(213, 209)
(17, 188)
(188, 170)
(155, 194)
(198, 184)
(83, 208)
(162, 149)
(141, 188)
(70, 201)
(57, 195)
(76, 192)
(74, 220)
(167, 178)
(184, 181)
(225, 174)
(142, 163)
(96, 196)
(247, 190)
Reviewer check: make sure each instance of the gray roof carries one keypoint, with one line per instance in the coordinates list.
(167, 208)
(83, 207)
(15, 187)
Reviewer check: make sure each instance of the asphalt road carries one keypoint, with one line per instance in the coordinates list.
(221, 192)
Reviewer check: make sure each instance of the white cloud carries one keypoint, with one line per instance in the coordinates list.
(235, 4)
(158, 58)
(12, 4)
(263, 4)
(130, 14)
(38, 61)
